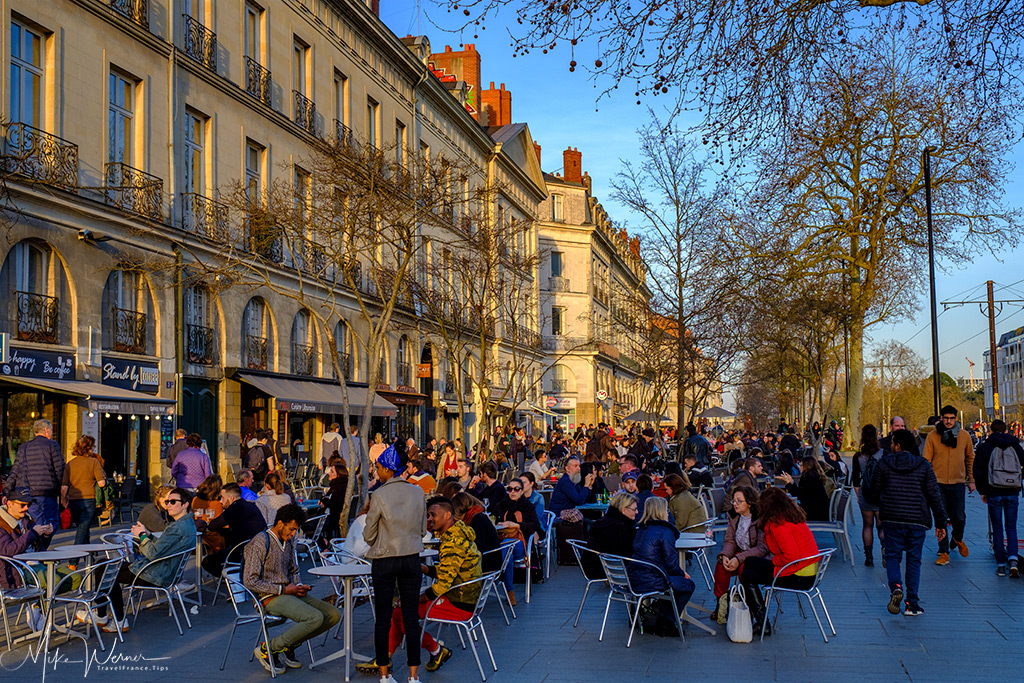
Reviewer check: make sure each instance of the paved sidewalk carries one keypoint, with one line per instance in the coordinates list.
(972, 630)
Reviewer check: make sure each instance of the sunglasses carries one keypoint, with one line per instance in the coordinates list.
(513, 488)
(179, 501)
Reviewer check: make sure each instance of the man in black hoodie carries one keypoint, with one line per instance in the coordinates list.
(905, 489)
(1000, 495)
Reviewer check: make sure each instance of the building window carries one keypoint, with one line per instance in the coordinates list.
(256, 335)
(26, 76)
(400, 143)
(372, 113)
(345, 350)
(195, 161)
(556, 208)
(341, 98)
(556, 263)
(557, 322)
(124, 300)
(404, 362)
(253, 170)
(300, 65)
(198, 326)
(120, 118)
(253, 24)
(304, 357)
(302, 196)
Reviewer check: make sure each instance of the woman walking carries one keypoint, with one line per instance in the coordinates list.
(863, 467)
(83, 475)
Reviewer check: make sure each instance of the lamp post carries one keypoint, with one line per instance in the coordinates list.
(936, 389)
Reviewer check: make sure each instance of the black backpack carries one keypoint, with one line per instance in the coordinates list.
(867, 474)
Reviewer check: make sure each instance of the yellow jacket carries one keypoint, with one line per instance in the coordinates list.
(952, 465)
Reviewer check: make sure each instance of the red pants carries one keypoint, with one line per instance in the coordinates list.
(443, 609)
(722, 578)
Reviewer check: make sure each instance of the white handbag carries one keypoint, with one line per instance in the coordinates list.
(739, 626)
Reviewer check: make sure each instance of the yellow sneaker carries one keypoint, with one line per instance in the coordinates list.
(962, 547)
(943, 559)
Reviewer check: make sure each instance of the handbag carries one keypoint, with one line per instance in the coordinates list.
(722, 614)
(65, 518)
(739, 627)
(571, 516)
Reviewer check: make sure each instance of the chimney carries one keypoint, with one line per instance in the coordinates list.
(375, 7)
(586, 181)
(496, 106)
(536, 147)
(464, 65)
(572, 165)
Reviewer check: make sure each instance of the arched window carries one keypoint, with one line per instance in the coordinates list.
(304, 355)
(344, 347)
(257, 337)
(36, 285)
(382, 366)
(126, 306)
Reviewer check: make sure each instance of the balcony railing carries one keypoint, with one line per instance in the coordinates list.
(129, 330)
(303, 359)
(38, 317)
(263, 238)
(200, 43)
(314, 260)
(305, 112)
(130, 189)
(255, 352)
(257, 81)
(343, 136)
(523, 335)
(558, 284)
(354, 269)
(204, 217)
(561, 343)
(135, 10)
(199, 342)
(559, 385)
(36, 154)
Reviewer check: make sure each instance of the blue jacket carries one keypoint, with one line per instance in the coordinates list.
(178, 536)
(655, 542)
(567, 495)
(39, 465)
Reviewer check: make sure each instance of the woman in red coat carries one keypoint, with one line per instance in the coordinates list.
(789, 539)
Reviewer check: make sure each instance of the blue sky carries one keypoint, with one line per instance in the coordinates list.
(562, 110)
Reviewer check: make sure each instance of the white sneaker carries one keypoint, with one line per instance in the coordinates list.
(388, 679)
(82, 617)
(36, 619)
(113, 627)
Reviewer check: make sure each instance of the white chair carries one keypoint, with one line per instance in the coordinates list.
(311, 544)
(240, 596)
(236, 563)
(102, 576)
(839, 507)
(579, 548)
(506, 556)
(774, 592)
(621, 590)
(474, 623)
(29, 593)
(179, 562)
(549, 542)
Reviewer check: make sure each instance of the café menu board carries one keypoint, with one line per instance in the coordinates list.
(41, 364)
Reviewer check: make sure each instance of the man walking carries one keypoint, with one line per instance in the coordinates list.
(905, 489)
(39, 466)
(895, 423)
(949, 450)
(997, 472)
(697, 446)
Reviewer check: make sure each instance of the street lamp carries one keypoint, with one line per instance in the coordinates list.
(936, 390)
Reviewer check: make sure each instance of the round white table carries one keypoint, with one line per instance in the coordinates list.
(51, 558)
(347, 573)
(698, 544)
(92, 549)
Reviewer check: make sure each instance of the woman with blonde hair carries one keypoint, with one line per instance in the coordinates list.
(273, 497)
(154, 516)
(377, 448)
(655, 542)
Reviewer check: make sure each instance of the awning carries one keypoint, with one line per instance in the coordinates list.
(299, 396)
(401, 398)
(100, 397)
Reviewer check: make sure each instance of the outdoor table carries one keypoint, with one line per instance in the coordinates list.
(347, 572)
(309, 504)
(592, 509)
(91, 549)
(51, 558)
(697, 542)
(429, 554)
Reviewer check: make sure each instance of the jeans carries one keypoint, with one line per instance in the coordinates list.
(83, 512)
(953, 496)
(385, 573)
(518, 553)
(900, 538)
(311, 617)
(1003, 509)
(45, 510)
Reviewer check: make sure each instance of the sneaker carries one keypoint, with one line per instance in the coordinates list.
(895, 600)
(442, 656)
(388, 679)
(112, 626)
(1000, 570)
(1014, 572)
(269, 661)
(943, 559)
(962, 547)
(512, 598)
(287, 657)
(370, 668)
(913, 610)
(36, 619)
(82, 617)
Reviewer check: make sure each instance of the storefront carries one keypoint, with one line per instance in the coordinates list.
(562, 413)
(409, 404)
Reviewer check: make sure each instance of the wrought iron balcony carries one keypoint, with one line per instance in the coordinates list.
(305, 112)
(135, 10)
(558, 284)
(303, 359)
(199, 342)
(524, 335)
(263, 238)
(343, 136)
(314, 260)
(255, 352)
(204, 217)
(38, 317)
(200, 43)
(559, 385)
(257, 81)
(354, 269)
(563, 343)
(36, 154)
(129, 330)
(130, 189)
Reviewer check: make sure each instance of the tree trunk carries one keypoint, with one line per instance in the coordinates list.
(851, 432)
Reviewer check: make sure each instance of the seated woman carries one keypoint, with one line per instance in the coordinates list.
(516, 522)
(810, 490)
(531, 494)
(470, 511)
(613, 533)
(743, 538)
(206, 507)
(686, 511)
(334, 499)
(154, 516)
(178, 536)
(655, 542)
(273, 497)
(788, 539)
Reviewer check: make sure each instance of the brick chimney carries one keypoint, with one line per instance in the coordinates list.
(536, 147)
(496, 106)
(572, 165)
(375, 7)
(586, 181)
(465, 66)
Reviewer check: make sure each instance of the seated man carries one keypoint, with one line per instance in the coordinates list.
(240, 521)
(245, 479)
(19, 534)
(458, 562)
(629, 482)
(569, 492)
(699, 475)
(539, 466)
(464, 471)
(180, 535)
(272, 573)
(486, 486)
(414, 474)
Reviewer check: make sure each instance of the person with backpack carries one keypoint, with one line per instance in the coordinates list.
(260, 459)
(997, 474)
(863, 470)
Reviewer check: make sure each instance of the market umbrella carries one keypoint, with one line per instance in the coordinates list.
(644, 416)
(716, 412)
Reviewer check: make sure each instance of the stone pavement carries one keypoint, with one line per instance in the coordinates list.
(972, 629)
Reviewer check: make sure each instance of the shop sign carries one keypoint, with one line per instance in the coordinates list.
(423, 370)
(563, 403)
(299, 407)
(602, 395)
(406, 389)
(35, 363)
(551, 401)
(131, 374)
